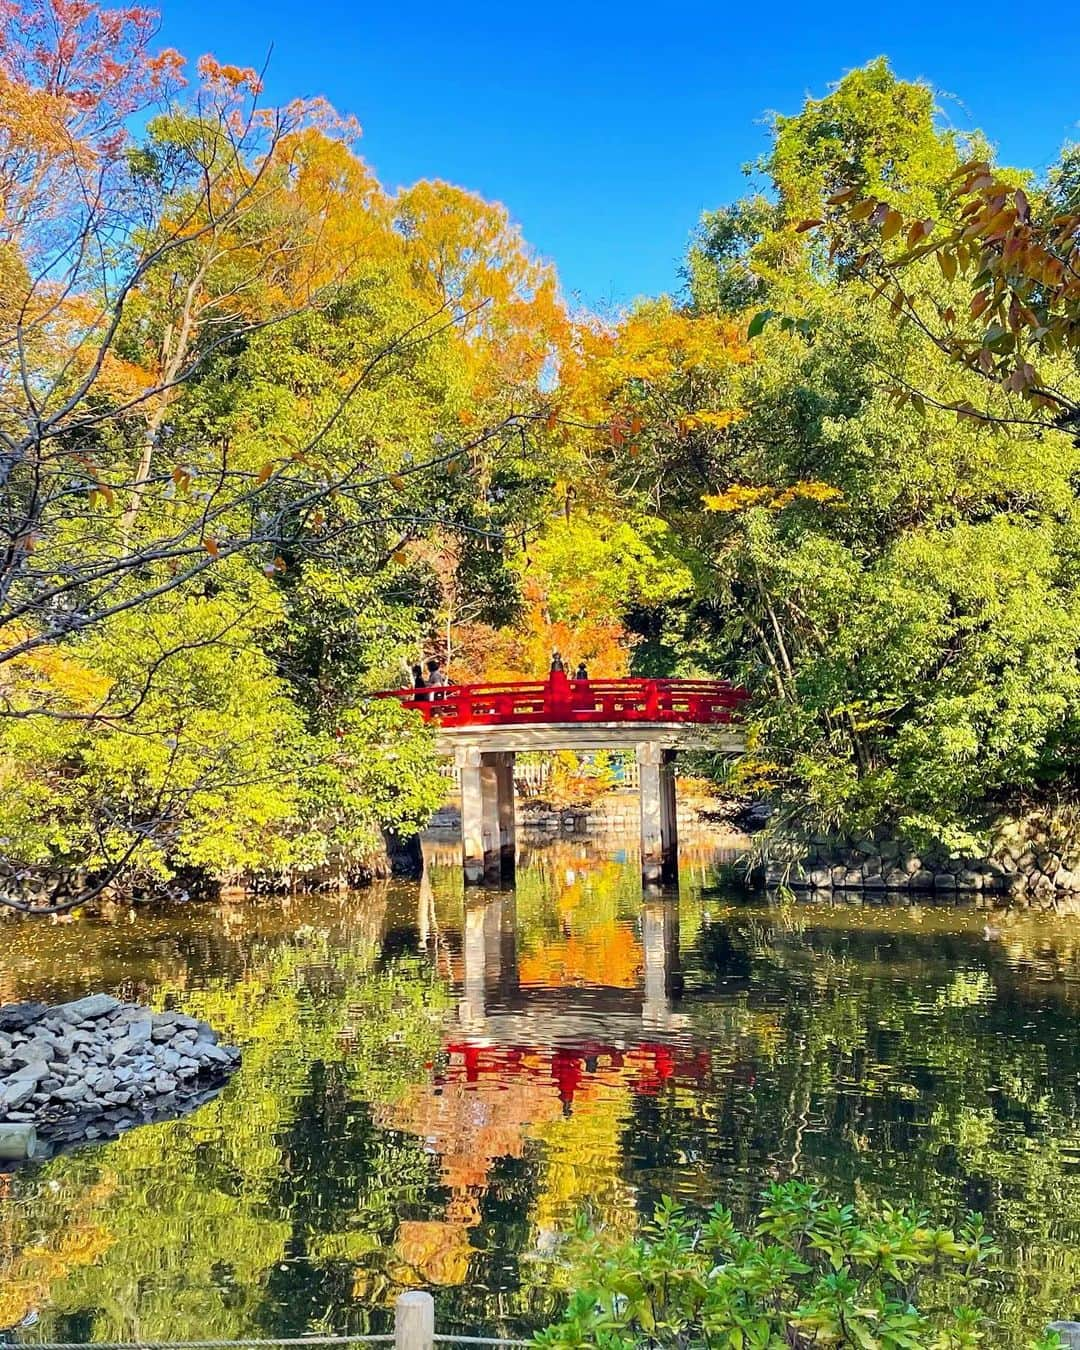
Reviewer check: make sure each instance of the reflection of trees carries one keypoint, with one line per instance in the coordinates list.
(254, 1213)
(907, 1053)
(894, 1052)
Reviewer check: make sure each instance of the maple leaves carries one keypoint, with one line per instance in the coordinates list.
(1021, 261)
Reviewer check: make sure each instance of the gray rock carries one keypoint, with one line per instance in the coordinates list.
(32, 1073)
(897, 879)
(214, 1054)
(912, 864)
(18, 1016)
(168, 1059)
(15, 1091)
(922, 880)
(944, 881)
(31, 1053)
(87, 1009)
(128, 1046)
(140, 1030)
(969, 881)
(72, 1092)
(164, 1082)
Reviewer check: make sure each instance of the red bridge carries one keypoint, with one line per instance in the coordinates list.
(561, 700)
(485, 725)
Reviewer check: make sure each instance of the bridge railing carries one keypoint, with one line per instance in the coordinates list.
(559, 699)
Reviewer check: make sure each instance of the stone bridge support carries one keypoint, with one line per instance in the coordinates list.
(659, 818)
(488, 827)
(488, 830)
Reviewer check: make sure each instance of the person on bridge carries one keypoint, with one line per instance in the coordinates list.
(436, 677)
(558, 665)
(417, 673)
(582, 672)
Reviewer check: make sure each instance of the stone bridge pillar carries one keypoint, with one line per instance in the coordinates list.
(659, 822)
(488, 835)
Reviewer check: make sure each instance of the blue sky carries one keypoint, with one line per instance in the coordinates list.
(606, 129)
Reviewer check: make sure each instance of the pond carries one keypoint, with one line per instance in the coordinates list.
(432, 1090)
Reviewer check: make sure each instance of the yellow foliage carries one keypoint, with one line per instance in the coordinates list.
(742, 496)
(716, 421)
(54, 679)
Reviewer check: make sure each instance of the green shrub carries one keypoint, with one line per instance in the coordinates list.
(813, 1273)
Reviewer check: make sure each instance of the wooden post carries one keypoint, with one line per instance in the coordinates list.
(17, 1141)
(489, 811)
(414, 1321)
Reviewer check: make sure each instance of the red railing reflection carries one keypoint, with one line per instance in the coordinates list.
(559, 699)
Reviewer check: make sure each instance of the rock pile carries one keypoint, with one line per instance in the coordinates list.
(95, 1067)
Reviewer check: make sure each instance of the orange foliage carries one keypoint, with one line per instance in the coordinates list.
(524, 649)
(610, 956)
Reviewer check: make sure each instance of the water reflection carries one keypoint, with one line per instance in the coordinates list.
(434, 1085)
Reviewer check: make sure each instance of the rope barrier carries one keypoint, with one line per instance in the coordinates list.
(266, 1344)
(477, 1340)
(275, 1341)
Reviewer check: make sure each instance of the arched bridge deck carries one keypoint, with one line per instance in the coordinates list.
(485, 725)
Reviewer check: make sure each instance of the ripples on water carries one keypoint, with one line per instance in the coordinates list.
(432, 1090)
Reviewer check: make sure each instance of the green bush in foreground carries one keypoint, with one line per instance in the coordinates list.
(814, 1273)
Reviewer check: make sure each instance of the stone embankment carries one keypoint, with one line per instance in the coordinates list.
(95, 1067)
(1037, 857)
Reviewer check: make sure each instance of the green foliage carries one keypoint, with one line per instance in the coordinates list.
(813, 1272)
(895, 581)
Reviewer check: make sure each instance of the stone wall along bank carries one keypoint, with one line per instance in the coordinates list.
(1036, 856)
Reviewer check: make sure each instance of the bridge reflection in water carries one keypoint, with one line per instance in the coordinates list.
(584, 1004)
(568, 1013)
(496, 1009)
